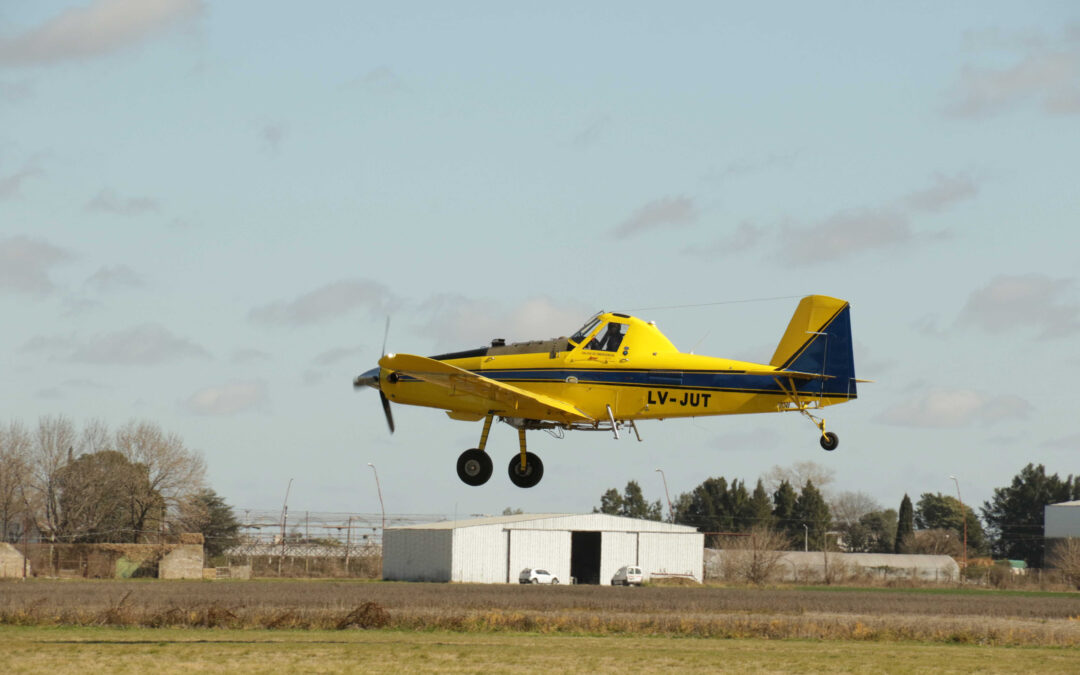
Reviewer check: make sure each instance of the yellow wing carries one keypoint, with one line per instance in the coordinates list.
(504, 399)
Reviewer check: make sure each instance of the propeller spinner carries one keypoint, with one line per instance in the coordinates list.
(370, 378)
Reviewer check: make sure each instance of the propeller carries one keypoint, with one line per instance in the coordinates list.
(370, 378)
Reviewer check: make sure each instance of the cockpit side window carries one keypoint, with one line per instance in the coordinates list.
(609, 339)
(584, 331)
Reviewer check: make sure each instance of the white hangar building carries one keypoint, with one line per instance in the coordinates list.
(1061, 521)
(588, 548)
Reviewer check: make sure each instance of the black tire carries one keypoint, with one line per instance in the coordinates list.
(554, 581)
(829, 441)
(534, 581)
(474, 467)
(534, 470)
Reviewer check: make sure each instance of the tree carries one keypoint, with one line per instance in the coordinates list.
(635, 506)
(880, 531)
(707, 507)
(94, 498)
(174, 472)
(1065, 556)
(905, 526)
(50, 449)
(207, 513)
(798, 473)
(760, 507)
(942, 512)
(847, 510)
(14, 472)
(812, 511)
(631, 503)
(611, 503)
(784, 509)
(1014, 514)
(754, 558)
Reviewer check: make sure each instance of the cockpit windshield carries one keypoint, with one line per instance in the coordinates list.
(584, 331)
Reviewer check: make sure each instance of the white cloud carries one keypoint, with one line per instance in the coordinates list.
(846, 234)
(940, 408)
(272, 135)
(145, 345)
(659, 214)
(107, 201)
(229, 399)
(462, 323)
(114, 278)
(1022, 302)
(25, 264)
(248, 355)
(1041, 70)
(743, 238)
(327, 302)
(98, 28)
(11, 184)
(944, 192)
(337, 355)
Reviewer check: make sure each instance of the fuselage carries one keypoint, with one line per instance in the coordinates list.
(621, 362)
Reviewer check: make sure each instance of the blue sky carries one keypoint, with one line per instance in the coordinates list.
(208, 209)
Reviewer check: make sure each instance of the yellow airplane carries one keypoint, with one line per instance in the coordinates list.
(615, 370)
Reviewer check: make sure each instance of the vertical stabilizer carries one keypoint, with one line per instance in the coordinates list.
(818, 340)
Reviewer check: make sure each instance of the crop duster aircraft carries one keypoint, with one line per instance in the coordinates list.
(615, 370)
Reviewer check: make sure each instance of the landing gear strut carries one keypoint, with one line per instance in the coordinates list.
(474, 466)
(526, 469)
(829, 440)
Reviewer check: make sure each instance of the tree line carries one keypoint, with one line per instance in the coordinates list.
(792, 501)
(91, 484)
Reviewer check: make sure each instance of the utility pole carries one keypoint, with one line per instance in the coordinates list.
(806, 538)
(381, 506)
(671, 514)
(284, 520)
(963, 516)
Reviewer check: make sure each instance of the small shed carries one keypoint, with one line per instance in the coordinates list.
(12, 562)
(584, 549)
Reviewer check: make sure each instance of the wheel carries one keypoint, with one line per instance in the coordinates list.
(534, 470)
(474, 467)
(554, 581)
(534, 581)
(829, 440)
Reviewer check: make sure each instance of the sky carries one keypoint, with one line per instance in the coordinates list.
(209, 209)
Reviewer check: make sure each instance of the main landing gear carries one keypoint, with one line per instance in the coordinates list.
(474, 466)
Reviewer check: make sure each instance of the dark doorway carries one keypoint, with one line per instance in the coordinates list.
(585, 557)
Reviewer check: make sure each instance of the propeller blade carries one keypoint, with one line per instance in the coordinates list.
(386, 409)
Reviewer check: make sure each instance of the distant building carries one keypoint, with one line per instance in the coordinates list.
(587, 549)
(1061, 521)
(813, 566)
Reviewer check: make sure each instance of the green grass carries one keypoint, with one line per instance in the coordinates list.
(114, 650)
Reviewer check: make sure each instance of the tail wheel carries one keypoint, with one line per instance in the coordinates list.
(531, 475)
(474, 467)
(829, 440)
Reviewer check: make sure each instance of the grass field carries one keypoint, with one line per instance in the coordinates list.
(114, 650)
(268, 626)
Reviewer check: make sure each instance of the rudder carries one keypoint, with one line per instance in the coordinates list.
(818, 340)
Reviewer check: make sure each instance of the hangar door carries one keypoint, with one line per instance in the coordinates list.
(585, 557)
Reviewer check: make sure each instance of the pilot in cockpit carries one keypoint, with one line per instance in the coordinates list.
(610, 340)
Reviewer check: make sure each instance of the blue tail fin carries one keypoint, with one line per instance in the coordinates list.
(818, 341)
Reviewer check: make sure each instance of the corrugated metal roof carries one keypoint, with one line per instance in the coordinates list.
(598, 521)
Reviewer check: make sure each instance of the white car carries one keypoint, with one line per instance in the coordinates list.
(536, 576)
(628, 575)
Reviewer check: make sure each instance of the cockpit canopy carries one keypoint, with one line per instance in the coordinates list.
(611, 331)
